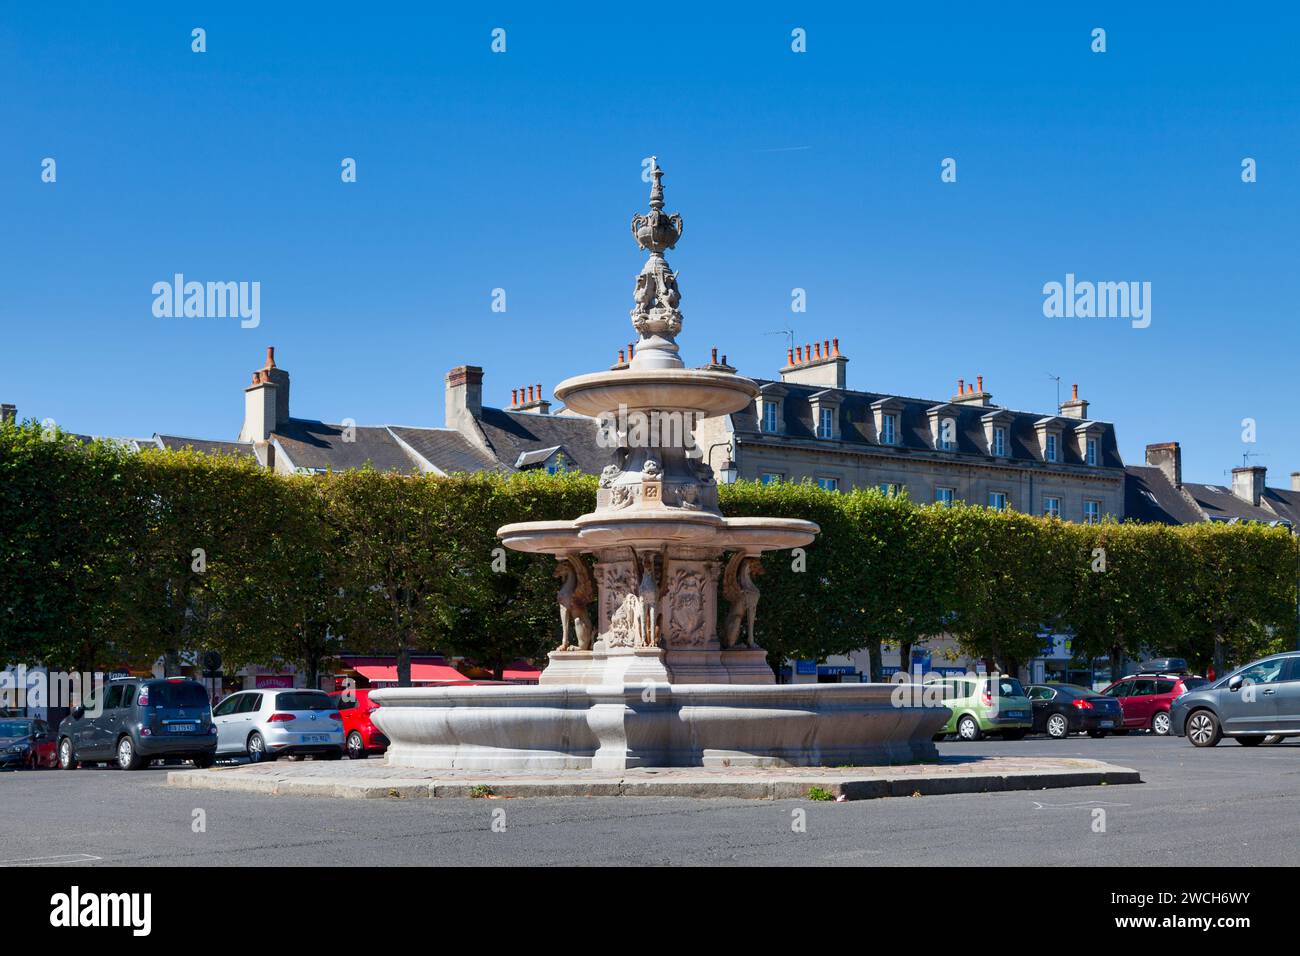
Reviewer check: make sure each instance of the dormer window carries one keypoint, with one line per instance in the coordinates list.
(826, 423)
(1091, 454)
(999, 441)
(888, 428)
(770, 419)
(1050, 448)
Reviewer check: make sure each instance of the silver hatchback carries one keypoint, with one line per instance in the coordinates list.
(266, 724)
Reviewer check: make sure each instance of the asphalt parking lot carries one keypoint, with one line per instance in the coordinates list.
(1225, 806)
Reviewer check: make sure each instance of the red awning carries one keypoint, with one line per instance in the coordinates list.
(420, 674)
(521, 671)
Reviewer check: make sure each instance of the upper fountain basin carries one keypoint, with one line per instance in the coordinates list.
(646, 528)
(708, 393)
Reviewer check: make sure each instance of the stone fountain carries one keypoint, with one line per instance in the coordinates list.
(651, 682)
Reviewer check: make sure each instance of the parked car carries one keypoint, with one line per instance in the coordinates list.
(1165, 665)
(1259, 700)
(137, 721)
(27, 742)
(1064, 709)
(983, 705)
(266, 724)
(1146, 698)
(361, 738)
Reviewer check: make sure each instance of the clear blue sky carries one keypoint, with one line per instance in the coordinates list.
(522, 171)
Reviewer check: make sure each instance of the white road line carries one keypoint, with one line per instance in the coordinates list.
(62, 859)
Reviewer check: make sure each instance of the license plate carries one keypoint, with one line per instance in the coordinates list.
(182, 728)
(1107, 723)
(1015, 713)
(315, 738)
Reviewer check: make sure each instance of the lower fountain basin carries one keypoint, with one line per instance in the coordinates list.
(616, 727)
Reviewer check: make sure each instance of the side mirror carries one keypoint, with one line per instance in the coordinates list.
(1236, 682)
(78, 712)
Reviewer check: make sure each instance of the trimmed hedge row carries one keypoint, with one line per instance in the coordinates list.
(109, 558)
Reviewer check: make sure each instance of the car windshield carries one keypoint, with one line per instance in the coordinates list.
(305, 700)
(15, 728)
(179, 694)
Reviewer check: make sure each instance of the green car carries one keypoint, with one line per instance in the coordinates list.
(985, 705)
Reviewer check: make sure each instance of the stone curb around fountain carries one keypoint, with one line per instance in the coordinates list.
(373, 780)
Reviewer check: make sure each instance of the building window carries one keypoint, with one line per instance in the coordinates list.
(1092, 451)
(1050, 449)
(889, 488)
(944, 496)
(826, 423)
(1091, 511)
(998, 500)
(770, 478)
(888, 427)
(1051, 507)
(769, 417)
(828, 484)
(999, 442)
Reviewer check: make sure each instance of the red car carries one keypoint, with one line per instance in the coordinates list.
(361, 738)
(1145, 698)
(27, 742)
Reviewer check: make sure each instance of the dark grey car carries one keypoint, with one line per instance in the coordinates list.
(139, 720)
(1259, 700)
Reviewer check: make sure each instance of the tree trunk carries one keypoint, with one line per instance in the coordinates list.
(1116, 662)
(1218, 656)
(403, 666)
(905, 657)
(877, 665)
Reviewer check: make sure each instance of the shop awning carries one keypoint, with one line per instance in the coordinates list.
(521, 672)
(420, 674)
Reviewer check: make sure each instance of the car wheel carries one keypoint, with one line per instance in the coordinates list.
(67, 759)
(1251, 741)
(1160, 724)
(356, 746)
(127, 758)
(1058, 727)
(968, 728)
(256, 748)
(1203, 729)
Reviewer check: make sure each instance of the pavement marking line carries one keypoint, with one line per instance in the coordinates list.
(63, 859)
(1077, 806)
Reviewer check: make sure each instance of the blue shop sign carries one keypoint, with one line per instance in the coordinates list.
(831, 670)
(805, 667)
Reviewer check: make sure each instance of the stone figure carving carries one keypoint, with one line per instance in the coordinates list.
(576, 592)
(686, 607)
(742, 598)
(609, 474)
(649, 573)
(617, 604)
(651, 469)
(621, 496)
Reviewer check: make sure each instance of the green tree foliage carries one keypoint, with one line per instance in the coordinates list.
(98, 568)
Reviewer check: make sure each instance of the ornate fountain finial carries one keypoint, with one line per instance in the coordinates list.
(655, 315)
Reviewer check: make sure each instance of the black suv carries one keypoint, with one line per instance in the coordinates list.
(138, 721)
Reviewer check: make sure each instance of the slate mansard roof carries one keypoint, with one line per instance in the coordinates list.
(857, 425)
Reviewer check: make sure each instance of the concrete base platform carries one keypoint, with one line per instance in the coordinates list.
(375, 779)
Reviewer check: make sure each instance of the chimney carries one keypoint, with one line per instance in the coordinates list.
(973, 394)
(534, 401)
(464, 396)
(1076, 407)
(1248, 483)
(1168, 457)
(8, 413)
(260, 403)
(1295, 477)
(822, 365)
(280, 379)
